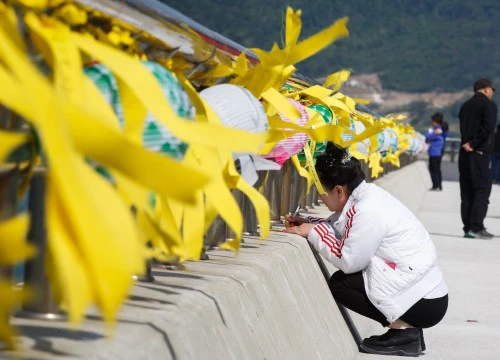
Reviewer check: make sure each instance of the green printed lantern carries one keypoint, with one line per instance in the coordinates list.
(156, 137)
(327, 116)
(324, 111)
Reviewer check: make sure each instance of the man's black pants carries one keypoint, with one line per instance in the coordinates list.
(435, 170)
(475, 188)
(349, 290)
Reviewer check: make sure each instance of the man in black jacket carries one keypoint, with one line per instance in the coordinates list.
(495, 159)
(478, 117)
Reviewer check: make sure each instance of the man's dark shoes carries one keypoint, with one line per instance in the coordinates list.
(470, 235)
(402, 342)
(481, 234)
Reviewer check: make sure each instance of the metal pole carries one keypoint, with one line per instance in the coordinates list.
(286, 188)
(295, 191)
(309, 201)
(303, 195)
(249, 216)
(251, 226)
(315, 196)
(268, 186)
(276, 197)
(148, 273)
(43, 306)
(453, 151)
(216, 233)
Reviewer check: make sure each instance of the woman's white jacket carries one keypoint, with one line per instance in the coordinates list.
(378, 235)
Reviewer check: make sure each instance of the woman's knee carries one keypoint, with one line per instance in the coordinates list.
(336, 282)
(427, 312)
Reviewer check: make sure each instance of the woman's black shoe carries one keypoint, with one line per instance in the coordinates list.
(402, 342)
(422, 342)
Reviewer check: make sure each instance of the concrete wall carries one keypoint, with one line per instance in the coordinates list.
(270, 302)
(408, 184)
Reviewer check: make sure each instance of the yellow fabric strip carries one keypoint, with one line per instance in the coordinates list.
(13, 245)
(318, 41)
(143, 84)
(10, 140)
(302, 172)
(194, 228)
(312, 169)
(337, 79)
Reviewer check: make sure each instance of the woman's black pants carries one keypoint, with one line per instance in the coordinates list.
(435, 170)
(349, 290)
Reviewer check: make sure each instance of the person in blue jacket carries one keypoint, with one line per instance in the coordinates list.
(435, 139)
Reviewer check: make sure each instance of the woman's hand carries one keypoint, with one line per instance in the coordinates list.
(302, 230)
(438, 131)
(295, 221)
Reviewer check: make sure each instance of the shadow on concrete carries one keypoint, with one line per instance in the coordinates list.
(461, 236)
(148, 300)
(232, 263)
(160, 331)
(448, 235)
(219, 310)
(169, 274)
(249, 247)
(166, 339)
(17, 356)
(140, 306)
(41, 336)
(154, 288)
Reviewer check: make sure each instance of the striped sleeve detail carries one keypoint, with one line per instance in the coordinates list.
(315, 220)
(348, 225)
(328, 239)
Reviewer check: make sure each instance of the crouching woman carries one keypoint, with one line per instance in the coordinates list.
(387, 261)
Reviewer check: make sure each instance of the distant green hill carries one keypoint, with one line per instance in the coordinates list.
(415, 45)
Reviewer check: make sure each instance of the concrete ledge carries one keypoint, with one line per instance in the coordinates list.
(270, 302)
(408, 184)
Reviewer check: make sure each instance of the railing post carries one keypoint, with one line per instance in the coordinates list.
(315, 196)
(268, 185)
(43, 306)
(276, 197)
(453, 151)
(249, 216)
(286, 188)
(295, 191)
(148, 271)
(302, 193)
(309, 199)
(216, 233)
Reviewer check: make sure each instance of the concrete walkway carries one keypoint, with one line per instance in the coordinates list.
(471, 328)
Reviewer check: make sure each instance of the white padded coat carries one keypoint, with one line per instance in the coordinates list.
(378, 235)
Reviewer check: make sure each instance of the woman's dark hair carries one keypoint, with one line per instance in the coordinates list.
(336, 167)
(438, 118)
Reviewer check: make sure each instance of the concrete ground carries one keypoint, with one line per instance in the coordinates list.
(471, 328)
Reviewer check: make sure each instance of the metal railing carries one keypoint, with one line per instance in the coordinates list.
(451, 148)
(284, 190)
